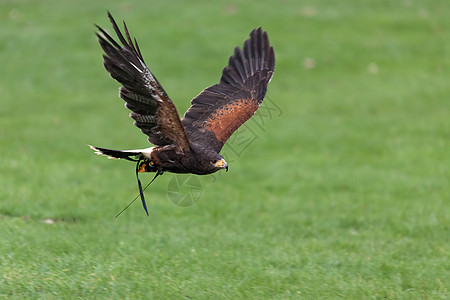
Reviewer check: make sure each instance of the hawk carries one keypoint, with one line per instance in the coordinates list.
(192, 144)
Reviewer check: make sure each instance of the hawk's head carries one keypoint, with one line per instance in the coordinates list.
(213, 162)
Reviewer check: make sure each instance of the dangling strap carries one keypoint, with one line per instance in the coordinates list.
(141, 191)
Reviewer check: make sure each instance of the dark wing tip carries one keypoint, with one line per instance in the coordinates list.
(111, 19)
(256, 55)
(128, 42)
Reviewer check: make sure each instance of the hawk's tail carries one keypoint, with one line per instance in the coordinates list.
(117, 154)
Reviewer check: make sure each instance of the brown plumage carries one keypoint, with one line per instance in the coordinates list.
(191, 144)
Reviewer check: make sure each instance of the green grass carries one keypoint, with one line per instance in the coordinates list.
(345, 195)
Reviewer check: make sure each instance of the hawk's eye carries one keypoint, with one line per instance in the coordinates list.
(214, 162)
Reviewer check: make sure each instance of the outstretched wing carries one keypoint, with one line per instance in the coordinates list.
(222, 108)
(152, 110)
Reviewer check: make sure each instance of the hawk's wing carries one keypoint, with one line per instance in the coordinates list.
(222, 108)
(153, 111)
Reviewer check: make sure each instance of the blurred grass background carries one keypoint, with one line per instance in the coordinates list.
(345, 195)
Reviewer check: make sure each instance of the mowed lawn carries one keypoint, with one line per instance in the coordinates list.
(338, 187)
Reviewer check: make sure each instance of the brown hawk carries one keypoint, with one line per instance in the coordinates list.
(191, 144)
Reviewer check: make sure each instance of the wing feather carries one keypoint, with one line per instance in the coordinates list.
(151, 109)
(221, 109)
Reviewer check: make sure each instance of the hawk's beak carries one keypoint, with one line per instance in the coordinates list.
(222, 164)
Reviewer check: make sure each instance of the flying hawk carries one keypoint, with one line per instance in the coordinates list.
(191, 144)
